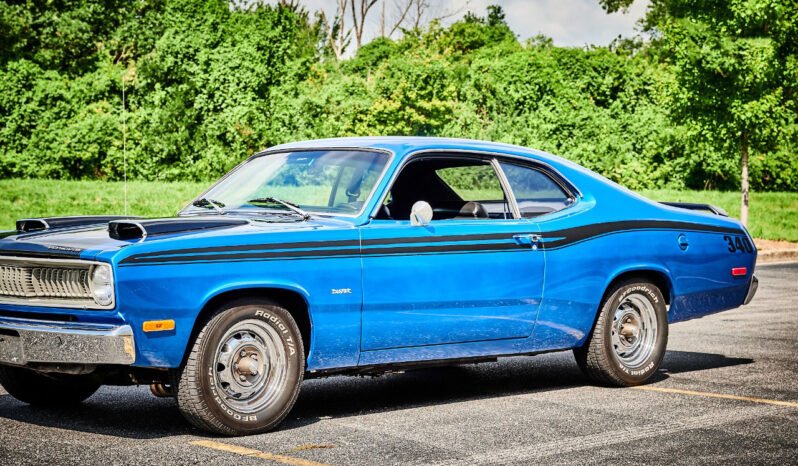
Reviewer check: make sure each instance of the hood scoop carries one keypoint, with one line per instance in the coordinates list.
(28, 225)
(139, 229)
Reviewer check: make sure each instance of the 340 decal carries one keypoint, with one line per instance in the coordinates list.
(738, 244)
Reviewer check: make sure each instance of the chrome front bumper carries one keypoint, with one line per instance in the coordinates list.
(25, 341)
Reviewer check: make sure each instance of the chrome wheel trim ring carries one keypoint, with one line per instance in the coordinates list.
(634, 330)
(250, 366)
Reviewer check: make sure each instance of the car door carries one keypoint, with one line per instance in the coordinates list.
(474, 273)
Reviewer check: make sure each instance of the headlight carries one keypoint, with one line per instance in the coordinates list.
(102, 285)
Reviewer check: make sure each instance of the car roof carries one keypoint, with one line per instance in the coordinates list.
(405, 145)
(580, 178)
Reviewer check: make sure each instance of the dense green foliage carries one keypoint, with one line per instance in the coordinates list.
(207, 84)
(736, 75)
(773, 215)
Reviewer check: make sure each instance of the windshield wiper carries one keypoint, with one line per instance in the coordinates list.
(206, 202)
(288, 205)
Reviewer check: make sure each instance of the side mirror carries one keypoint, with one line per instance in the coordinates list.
(420, 214)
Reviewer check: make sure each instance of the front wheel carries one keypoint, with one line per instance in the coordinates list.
(40, 389)
(628, 342)
(244, 371)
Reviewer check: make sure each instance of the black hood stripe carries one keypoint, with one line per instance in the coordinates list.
(554, 239)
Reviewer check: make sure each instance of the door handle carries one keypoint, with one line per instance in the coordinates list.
(529, 239)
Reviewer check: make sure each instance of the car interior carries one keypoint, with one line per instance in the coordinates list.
(448, 185)
(469, 188)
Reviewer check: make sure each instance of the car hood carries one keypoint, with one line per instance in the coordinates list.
(102, 241)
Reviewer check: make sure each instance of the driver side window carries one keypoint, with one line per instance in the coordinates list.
(456, 188)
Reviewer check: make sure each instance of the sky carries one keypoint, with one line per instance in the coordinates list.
(570, 23)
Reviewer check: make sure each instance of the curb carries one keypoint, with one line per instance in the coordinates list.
(789, 255)
(769, 251)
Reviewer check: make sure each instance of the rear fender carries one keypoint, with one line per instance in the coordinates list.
(641, 269)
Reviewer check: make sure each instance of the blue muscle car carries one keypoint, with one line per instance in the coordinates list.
(359, 255)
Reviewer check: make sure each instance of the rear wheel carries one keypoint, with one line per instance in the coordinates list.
(46, 390)
(244, 371)
(628, 342)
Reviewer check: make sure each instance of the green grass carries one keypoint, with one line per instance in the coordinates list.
(38, 198)
(772, 216)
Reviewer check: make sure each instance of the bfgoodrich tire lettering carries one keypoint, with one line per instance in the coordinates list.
(628, 342)
(244, 370)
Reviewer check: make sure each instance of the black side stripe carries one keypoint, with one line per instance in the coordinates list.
(333, 244)
(253, 247)
(569, 236)
(354, 254)
(551, 240)
(441, 248)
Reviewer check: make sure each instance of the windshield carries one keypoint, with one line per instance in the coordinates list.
(324, 181)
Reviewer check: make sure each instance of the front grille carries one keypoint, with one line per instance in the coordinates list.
(47, 282)
(23, 281)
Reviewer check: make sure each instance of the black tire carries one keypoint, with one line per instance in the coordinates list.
(604, 357)
(46, 390)
(202, 395)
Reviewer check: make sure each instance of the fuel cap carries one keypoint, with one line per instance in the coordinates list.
(682, 240)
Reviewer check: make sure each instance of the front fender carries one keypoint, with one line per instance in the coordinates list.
(261, 287)
(229, 287)
(181, 291)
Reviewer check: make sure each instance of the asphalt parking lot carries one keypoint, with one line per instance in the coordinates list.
(727, 393)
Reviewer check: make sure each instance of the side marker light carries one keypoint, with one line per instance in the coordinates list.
(158, 325)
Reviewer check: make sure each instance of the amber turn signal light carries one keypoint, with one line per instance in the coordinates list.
(158, 325)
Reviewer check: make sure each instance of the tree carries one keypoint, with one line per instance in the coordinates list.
(338, 36)
(413, 14)
(401, 11)
(208, 83)
(496, 16)
(359, 13)
(474, 32)
(735, 64)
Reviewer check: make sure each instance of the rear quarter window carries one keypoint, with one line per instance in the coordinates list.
(535, 191)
